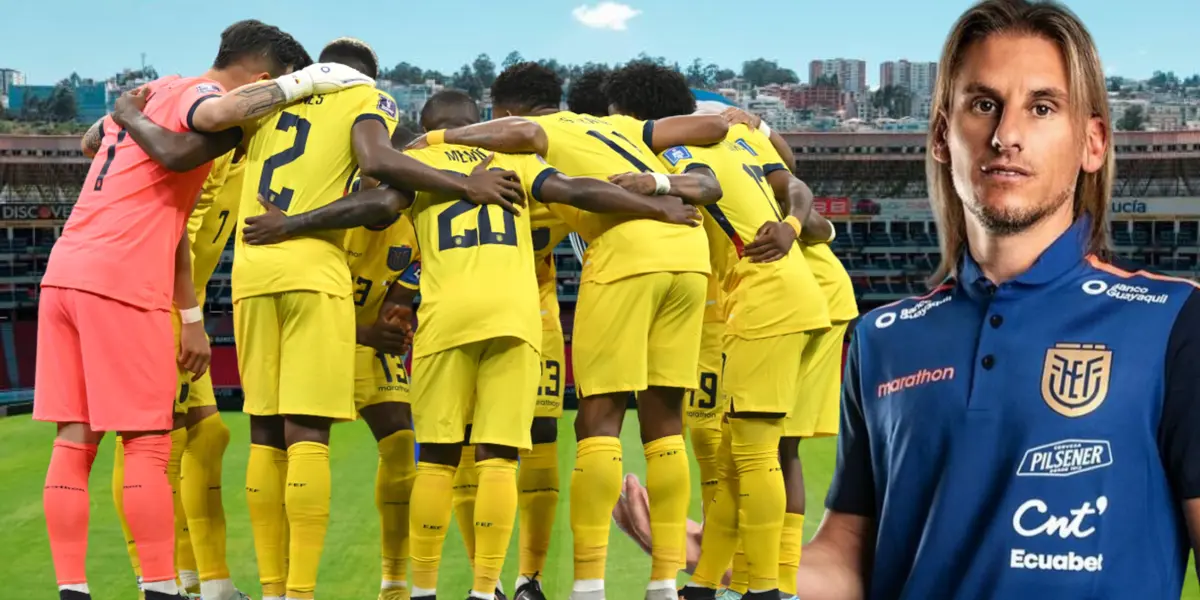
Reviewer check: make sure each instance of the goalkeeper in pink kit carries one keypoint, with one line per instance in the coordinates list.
(106, 349)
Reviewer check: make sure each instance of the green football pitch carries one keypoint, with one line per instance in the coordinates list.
(350, 565)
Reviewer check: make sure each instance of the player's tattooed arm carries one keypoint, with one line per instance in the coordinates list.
(176, 151)
(510, 135)
(698, 185)
(238, 107)
(597, 196)
(686, 130)
(90, 144)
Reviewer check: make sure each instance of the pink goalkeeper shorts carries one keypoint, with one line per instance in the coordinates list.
(103, 362)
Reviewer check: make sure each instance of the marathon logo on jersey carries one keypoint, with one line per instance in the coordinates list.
(1034, 519)
(388, 106)
(399, 257)
(920, 378)
(1075, 378)
(208, 88)
(1123, 292)
(676, 154)
(1065, 458)
(916, 311)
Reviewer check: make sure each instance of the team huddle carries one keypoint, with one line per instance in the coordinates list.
(708, 290)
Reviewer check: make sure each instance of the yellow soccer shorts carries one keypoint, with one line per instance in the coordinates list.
(491, 384)
(550, 390)
(818, 403)
(190, 394)
(763, 375)
(705, 404)
(378, 378)
(637, 332)
(296, 354)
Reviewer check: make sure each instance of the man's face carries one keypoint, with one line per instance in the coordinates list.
(1014, 148)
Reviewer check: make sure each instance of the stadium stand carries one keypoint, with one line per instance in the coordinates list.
(872, 185)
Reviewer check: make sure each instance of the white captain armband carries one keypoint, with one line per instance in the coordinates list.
(191, 315)
(764, 128)
(662, 184)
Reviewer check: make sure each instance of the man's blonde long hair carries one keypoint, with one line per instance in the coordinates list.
(1088, 97)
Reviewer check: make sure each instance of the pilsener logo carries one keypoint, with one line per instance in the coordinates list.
(919, 378)
(1065, 458)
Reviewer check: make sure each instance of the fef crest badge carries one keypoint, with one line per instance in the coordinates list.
(1075, 378)
(399, 257)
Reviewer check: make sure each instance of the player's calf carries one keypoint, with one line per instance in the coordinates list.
(660, 413)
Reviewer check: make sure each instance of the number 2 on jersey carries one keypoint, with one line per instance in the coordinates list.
(283, 199)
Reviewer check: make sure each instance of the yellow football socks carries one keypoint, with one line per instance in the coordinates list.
(762, 498)
(307, 503)
(201, 491)
(537, 482)
(429, 517)
(466, 484)
(494, 519)
(669, 487)
(740, 579)
(185, 560)
(118, 490)
(595, 489)
(266, 473)
(720, 521)
(789, 552)
(393, 486)
(704, 445)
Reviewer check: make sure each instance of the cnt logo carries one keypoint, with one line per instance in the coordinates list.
(1033, 519)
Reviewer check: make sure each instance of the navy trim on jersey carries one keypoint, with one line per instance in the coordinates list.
(195, 105)
(369, 117)
(648, 134)
(772, 167)
(541, 178)
(693, 166)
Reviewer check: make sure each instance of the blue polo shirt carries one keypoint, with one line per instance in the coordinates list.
(1029, 440)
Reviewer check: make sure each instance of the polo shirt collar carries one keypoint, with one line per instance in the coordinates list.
(1066, 253)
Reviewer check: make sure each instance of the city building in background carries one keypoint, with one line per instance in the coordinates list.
(870, 184)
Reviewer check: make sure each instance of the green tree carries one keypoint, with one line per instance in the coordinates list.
(484, 70)
(761, 71)
(61, 106)
(513, 58)
(895, 100)
(1134, 119)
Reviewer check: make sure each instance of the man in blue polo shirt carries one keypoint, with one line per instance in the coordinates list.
(1031, 428)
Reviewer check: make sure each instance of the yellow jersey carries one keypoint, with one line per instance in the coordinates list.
(379, 257)
(301, 159)
(477, 266)
(215, 217)
(548, 231)
(828, 270)
(763, 299)
(618, 247)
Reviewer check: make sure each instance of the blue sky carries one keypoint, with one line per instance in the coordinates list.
(48, 40)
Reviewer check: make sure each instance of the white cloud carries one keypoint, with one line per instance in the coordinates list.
(605, 15)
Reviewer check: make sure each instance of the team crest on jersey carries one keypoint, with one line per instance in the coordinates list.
(388, 106)
(399, 257)
(676, 154)
(1075, 378)
(208, 88)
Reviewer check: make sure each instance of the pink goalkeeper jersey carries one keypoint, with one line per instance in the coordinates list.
(120, 239)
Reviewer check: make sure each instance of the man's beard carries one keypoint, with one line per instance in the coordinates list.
(1011, 221)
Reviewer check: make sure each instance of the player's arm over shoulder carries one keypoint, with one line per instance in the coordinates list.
(511, 135)
(178, 151)
(685, 130)
(549, 186)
